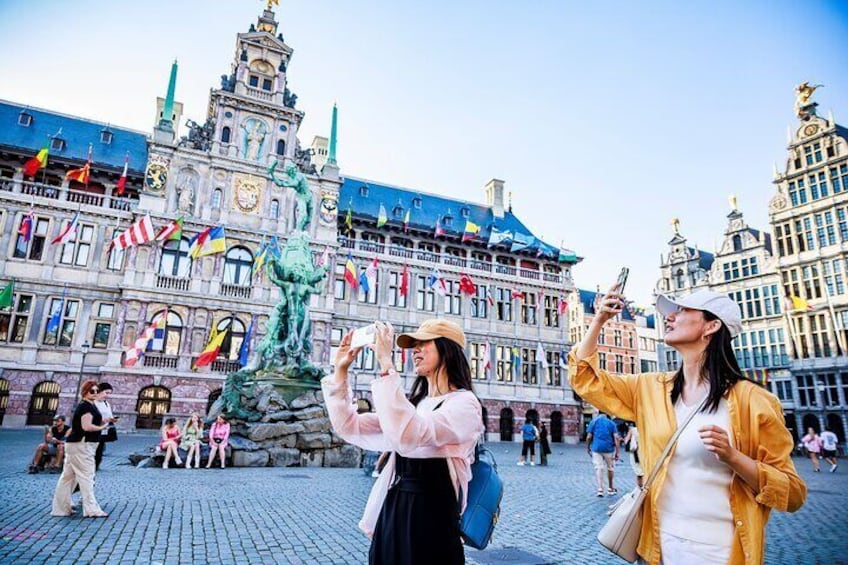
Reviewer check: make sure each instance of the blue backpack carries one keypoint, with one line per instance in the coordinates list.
(485, 490)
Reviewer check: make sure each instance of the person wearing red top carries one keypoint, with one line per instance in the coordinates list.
(170, 442)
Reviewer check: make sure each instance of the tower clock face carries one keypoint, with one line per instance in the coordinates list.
(811, 129)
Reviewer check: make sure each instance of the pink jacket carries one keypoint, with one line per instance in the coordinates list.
(220, 431)
(449, 432)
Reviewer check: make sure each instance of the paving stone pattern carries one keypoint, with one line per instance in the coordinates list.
(308, 515)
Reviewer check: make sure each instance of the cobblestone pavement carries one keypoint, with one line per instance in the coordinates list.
(295, 515)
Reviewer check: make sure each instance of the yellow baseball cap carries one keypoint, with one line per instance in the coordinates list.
(431, 329)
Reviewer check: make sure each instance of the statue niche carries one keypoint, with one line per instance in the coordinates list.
(254, 132)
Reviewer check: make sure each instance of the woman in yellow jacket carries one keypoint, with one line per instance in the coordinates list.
(731, 465)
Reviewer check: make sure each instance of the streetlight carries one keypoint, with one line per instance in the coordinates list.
(84, 347)
(822, 388)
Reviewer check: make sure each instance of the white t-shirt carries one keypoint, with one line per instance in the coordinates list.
(829, 441)
(695, 500)
(105, 411)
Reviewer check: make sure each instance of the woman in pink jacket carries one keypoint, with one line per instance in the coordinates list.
(219, 434)
(412, 514)
(813, 443)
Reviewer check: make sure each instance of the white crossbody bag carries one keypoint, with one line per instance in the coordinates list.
(621, 532)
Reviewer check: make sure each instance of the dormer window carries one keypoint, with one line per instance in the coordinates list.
(416, 202)
(397, 211)
(363, 191)
(464, 212)
(106, 137)
(447, 221)
(25, 119)
(57, 144)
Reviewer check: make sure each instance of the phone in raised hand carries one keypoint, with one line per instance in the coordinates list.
(363, 336)
(622, 280)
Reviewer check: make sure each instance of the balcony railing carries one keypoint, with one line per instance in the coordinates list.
(528, 274)
(455, 261)
(372, 246)
(225, 366)
(159, 361)
(260, 94)
(236, 291)
(427, 256)
(505, 270)
(42, 190)
(480, 266)
(398, 251)
(172, 283)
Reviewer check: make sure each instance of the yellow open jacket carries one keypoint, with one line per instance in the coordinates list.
(758, 430)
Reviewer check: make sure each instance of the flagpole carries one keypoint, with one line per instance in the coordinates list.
(795, 347)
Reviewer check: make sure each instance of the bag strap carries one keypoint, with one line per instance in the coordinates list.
(655, 471)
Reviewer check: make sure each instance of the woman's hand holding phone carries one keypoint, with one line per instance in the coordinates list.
(345, 355)
(610, 306)
(384, 344)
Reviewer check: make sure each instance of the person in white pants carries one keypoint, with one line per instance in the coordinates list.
(80, 446)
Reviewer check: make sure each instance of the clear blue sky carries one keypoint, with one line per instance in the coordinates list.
(605, 119)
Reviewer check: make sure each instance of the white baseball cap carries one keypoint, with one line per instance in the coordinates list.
(715, 303)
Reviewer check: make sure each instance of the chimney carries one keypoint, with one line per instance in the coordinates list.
(495, 197)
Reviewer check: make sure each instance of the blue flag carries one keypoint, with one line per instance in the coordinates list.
(55, 317)
(244, 350)
(363, 283)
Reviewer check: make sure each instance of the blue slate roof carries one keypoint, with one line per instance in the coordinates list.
(587, 297)
(651, 321)
(756, 234)
(705, 260)
(364, 198)
(77, 133)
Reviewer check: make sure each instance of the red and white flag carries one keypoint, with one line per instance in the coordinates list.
(139, 233)
(140, 346)
(486, 354)
(69, 232)
(122, 182)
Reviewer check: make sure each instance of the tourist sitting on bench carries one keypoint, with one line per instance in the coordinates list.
(50, 453)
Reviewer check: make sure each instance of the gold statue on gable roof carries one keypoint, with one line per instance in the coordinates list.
(803, 92)
(272, 3)
(676, 223)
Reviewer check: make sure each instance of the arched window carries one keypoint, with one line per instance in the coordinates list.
(737, 242)
(213, 396)
(225, 134)
(363, 406)
(238, 266)
(507, 421)
(556, 427)
(231, 345)
(4, 398)
(281, 147)
(169, 341)
(275, 209)
(834, 422)
(811, 421)
(679, 278)
(533, 415)
(175, 261)
(43, 404)
(216, 198)
(153, 403)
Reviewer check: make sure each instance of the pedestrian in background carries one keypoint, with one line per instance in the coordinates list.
(631, 445)
(80, 445)
(110, 434)
(544, 446)
(602, 446)
(829, 443)
(813, 443)
(730, 467)
(412, 514)
(529, 435)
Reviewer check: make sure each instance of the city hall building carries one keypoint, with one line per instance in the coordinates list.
(79, 303)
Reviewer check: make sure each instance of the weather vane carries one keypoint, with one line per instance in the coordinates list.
(676, 223)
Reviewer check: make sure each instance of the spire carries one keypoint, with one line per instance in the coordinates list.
(165, 121)
(331, 158)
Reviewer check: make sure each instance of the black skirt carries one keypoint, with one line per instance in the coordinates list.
(419, 521)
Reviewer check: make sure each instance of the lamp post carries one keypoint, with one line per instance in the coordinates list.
(822, 388)
(84, 348)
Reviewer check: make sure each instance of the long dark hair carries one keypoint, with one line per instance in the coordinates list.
(721, 366)
(455, 364)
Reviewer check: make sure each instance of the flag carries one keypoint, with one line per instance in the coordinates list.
(437, 282)
(382, 218)
(171, 232)
(489, 296)
(350, 271)
(81, 175)
(32, 166)
(364, 284)
(404, 281)
(541, 358)
(215, 243)
(567, 256)
(210, 352)
(517, 294)
(799, 303)
(196, 242)
(122, 182)
(69, 232)
(26, 227)
(244, 350)
(467, 286)
(139, 233)
(497, 236)
(563, 360)
(562, 306)
(371, 275)
(521, 242)
(273, 247)
(6, 295)
(140, 346)
(260, 258)
(406, 222)
(324, 260)
(516, 360)
(759, 376)
(487, 358)
(349, 220)
(440, 231)
(471, 231)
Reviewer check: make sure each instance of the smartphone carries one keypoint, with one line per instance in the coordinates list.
(622, 280)
(363, 336)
